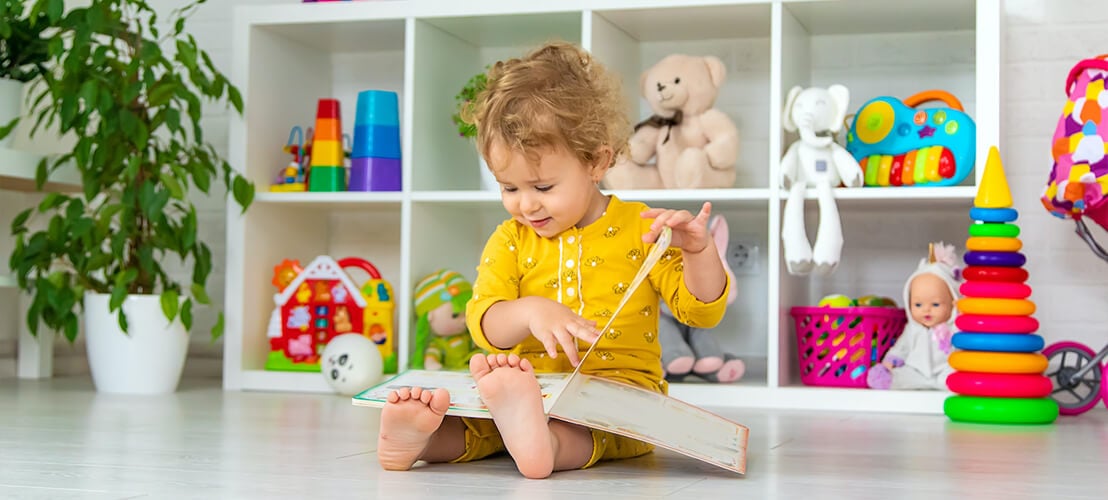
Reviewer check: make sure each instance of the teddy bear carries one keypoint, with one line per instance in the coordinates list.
(687, 350)
(693, 145)
(442, 339)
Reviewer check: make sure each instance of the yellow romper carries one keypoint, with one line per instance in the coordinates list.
(587, 269)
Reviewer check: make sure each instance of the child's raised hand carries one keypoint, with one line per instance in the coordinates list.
(690, 233)
(555, 324)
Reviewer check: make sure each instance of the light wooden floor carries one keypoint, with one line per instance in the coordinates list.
(60, 440)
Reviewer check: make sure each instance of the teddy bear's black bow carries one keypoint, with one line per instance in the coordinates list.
(661, 121)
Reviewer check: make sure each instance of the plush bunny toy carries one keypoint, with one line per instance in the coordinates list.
(815, 160)
(688, 350)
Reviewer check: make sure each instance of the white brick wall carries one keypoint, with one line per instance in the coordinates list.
(1043, 40)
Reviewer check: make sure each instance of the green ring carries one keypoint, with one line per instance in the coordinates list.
(994, 230)
(1000, 410)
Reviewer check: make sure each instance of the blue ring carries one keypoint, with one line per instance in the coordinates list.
(993, 214)
(995, 259)
(998, 342)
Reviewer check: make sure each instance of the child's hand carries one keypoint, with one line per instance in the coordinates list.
(555, 324)
(690, 234)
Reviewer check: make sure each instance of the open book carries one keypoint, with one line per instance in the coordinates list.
(599, 403)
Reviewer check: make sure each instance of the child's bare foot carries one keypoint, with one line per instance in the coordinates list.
(508, 387)
(407, 423)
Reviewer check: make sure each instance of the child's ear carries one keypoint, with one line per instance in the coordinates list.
(602, 161)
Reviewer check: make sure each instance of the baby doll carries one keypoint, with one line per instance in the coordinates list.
(918, 359)
(442, 339)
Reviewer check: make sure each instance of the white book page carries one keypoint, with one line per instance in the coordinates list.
(464, 398)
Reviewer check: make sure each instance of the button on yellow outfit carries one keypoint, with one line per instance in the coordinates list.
(517, 262)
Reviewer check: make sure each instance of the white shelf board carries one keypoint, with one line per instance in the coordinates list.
(22, 166)
(456, 196)
(950, 193)
(691, 23)
(279, 381)
(342, 199)
(714, 195)
(810, 398)
(363, 35)
(883, 16)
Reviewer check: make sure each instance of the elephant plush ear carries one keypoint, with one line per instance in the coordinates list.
(787, 118)
(841, 95)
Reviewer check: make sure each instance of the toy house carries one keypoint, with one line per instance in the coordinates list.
(320, 301)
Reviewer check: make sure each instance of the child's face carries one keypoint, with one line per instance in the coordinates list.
(558, 193)
(930, 300)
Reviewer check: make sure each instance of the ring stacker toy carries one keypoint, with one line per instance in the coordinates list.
(997, 342)
(997, 230)
(998, 374)
(1001, 274)
(998, 362)
(993, 244)
(996, 324)
(1000, 410)
(1005, 385)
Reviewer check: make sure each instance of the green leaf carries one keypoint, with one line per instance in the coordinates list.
(243, 192)
(200, 294)
(174, 187)
(217, 329)
(186, 314)
(54, 9)
(20, 221)
(7, 129)
(170, 303)
(119, 292)
(162, 92)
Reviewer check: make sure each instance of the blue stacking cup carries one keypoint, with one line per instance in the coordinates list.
(376, 141)
(377, 107)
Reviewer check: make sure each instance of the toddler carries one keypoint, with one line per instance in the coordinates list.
(550, 125)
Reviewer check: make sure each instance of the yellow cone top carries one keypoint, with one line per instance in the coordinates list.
(993, 191)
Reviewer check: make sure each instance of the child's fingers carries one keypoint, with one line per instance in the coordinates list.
(551, 345)
(585, 332)
(569, 345)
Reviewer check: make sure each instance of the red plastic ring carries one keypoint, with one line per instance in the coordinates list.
(995, 289)
(999, 385)
(996, 324)
(991, 273)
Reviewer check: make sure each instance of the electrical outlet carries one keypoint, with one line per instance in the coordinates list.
(742, 256)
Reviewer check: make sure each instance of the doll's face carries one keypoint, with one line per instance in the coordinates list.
(929, 300)
(445, 322)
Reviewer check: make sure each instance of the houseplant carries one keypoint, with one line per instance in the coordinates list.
(131, 94)
(23, 52)
(468, 131)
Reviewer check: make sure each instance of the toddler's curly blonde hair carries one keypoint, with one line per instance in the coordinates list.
(555, 96)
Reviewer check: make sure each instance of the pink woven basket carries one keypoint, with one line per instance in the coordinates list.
(836, 345)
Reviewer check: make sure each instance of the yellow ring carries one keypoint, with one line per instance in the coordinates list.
(997, 362)
(996, 307)
(986, 244)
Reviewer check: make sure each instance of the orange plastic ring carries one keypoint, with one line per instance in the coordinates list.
(997, 362)
(934, 95)
(996, 307)
(986, 244)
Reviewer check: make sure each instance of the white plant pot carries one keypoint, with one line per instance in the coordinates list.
(488, 181)
(11, 105)
(148, 359)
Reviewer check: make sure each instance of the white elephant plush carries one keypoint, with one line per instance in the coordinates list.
(815, 160)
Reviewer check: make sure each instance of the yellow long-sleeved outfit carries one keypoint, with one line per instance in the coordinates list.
(587, 269)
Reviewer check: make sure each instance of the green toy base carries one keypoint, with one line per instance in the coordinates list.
(327, 179)
(278, 362)
(977, 409)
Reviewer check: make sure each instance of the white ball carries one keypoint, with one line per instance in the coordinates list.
(351, 363)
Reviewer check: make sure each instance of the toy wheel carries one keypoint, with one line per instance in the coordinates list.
(1073, 395)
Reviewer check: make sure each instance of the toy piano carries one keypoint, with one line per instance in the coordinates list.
(897, 144)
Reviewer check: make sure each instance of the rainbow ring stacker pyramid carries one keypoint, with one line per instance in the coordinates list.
(998, 376)
(328, 168)
(375, 158)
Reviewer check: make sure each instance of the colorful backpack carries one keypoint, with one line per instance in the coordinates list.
(1078, 182)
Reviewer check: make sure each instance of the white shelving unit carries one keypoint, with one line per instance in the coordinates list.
(287, 56)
